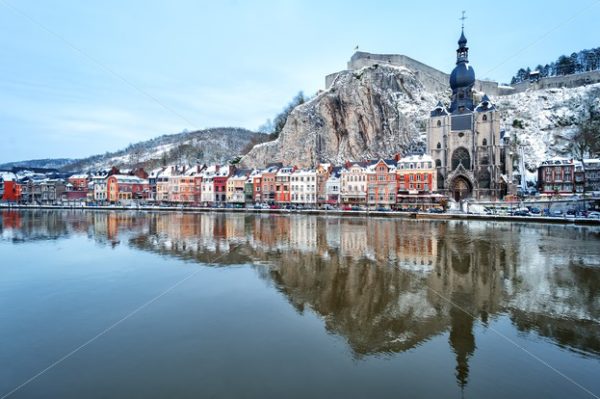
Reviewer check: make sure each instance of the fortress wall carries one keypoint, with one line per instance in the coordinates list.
(553, 82)
(433, 79)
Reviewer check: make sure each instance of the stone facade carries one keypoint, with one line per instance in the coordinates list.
(465, 140)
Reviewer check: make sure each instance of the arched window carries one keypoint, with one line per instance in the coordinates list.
(439, 123)
(484, 142)
(484, 118)
(439, 146)
(484, 179)
(461, 156)
(438, 163)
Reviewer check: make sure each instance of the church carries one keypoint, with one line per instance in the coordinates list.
(471, 152)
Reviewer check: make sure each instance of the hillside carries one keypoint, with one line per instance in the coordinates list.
(57, 163)
(376, 111)
(216, 145)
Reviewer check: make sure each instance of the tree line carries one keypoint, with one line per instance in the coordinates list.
(582, 61)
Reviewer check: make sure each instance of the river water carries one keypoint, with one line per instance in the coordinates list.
(157, 305)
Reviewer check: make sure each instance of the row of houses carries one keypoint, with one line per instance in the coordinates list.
(102, 187)
(390, 183)
(377, 183)
(568, 176)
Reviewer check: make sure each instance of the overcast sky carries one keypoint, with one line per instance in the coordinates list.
(84, 77)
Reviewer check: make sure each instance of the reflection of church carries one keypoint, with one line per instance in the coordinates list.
(470, 151)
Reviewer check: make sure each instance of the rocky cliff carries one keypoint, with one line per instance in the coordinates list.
(380, 110)
(376, 111)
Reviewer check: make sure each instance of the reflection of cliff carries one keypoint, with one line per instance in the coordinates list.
(386, 286)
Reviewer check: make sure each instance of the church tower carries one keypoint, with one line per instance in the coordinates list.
(464, 138)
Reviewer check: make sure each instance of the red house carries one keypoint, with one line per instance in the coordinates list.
(220, 183)
(10, 189)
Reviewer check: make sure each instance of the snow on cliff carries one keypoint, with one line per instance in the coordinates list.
(381, 110)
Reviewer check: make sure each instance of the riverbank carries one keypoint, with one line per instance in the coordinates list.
(341, 213)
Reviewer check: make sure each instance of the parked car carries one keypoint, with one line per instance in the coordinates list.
(520, 212)
(535, 210)
(593, 215)
(435, 210)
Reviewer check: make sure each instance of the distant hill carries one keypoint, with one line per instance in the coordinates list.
(216, 145)
(37, 164)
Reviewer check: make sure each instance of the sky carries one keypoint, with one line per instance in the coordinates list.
(79, 78)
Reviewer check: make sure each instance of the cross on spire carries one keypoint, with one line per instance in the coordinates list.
(463, 20)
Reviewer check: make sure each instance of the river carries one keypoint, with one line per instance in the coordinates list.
(117, 304)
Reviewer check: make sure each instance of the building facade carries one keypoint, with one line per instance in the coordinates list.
(591, 169)
(556, 176)
(381, 184)
(471, 153)
(353, 184)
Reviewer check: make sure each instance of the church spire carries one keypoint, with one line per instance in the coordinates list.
(462, 53)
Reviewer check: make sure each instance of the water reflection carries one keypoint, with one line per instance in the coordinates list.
(386, 286)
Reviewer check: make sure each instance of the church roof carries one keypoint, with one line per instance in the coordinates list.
(462, 41)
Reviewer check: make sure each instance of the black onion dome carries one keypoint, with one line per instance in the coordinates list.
(462, 75)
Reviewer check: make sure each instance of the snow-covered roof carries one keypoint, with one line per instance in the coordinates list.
(304, 172)
(79, 176)
(128, 179)
(416, 158)
(557, 161)
(8, 176)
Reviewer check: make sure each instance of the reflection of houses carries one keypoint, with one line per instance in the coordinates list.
(303, 233)
(354, 239)
(385, 286)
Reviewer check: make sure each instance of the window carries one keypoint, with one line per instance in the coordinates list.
(439, 123)
(484, 142)
(484, 118)
(462, 157)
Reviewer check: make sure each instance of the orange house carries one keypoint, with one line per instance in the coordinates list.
(282, 185)
(126, 188)
(381, 183)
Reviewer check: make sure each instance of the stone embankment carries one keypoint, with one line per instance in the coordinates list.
(336, 213)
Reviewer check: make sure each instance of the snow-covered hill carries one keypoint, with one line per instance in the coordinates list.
(215, 145)
(545, 121)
